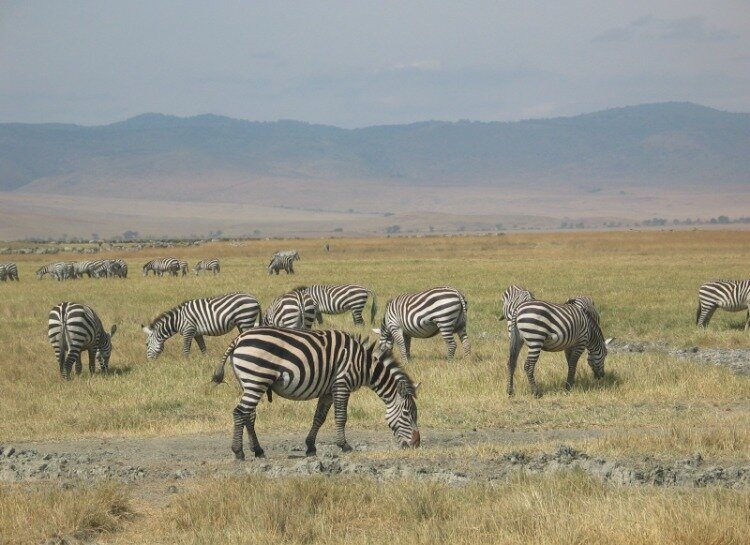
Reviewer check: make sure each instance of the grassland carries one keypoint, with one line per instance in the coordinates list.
(644, 284)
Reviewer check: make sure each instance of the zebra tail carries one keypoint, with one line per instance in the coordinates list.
(374, 309)
(64, 345)
(218, 377)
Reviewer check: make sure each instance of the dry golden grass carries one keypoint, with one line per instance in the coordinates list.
(29, 514)
(556, 510)
(644, 284)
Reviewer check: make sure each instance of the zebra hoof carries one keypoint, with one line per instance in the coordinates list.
(239, 456)
(311, 452)
(346, 447)
(260, 454)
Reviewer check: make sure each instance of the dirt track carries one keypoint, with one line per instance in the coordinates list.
(161, 463)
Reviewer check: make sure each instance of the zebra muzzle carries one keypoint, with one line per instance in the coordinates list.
(415, 439)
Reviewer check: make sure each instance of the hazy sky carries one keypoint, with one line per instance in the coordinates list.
(352, 63)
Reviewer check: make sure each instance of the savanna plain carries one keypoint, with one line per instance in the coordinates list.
(165, 416)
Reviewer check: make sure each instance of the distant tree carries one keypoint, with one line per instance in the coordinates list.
(723, 219)
(338, 230)
(713, 220)
(393, 229)
(256, 232)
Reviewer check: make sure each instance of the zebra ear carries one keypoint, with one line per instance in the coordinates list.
(416, 388)
(146, 330)
(608, 341)
(113, 330)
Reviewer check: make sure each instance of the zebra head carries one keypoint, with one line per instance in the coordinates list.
(41, 272)
(105, 348)
(385, 337)
(597, 347)
(154, 341)
(147, 267)
(399, 394)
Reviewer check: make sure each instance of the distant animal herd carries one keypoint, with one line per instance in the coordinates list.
(278, 352)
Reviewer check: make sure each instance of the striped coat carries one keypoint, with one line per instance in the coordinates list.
(323, 365)
(207, 265)
(338, 299)
(512, 296)
(423, 315)
(294, 310)
(572, 327)
(197, 318)
(8, 271)
(73, 328)
(161, 265)
(729, 295)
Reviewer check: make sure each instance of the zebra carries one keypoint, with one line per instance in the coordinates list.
(207, 265)
(343, 298)
(8, 271)
(327, 365)
(183, 267)
(161, 265)
(512, 296)
(123, 272)
(422, 315)
(104, 268)
(195, 318)
(85, 267)
(729, 295)
(73, 328)
(62, 270)
(572, 327)
(279, 262)
(294, 310)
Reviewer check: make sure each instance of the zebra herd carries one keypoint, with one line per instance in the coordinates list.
(8, 271)
(277, 351)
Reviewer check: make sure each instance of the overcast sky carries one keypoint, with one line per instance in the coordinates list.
(354, 63)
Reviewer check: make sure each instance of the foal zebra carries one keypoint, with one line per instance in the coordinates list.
(572, 327)
(293, 310)
(8, 271)
(282, 262)
(74, 327)
(183, 267)
(195, 318)
(343, 298)
(423, 315)
(327, 365)
(729, 295)
(62, 270)
(512, 296)
(207, 265)
(161, 265)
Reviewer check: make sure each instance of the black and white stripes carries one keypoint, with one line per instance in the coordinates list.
(423, 315)
(8, 271)
(572, 327)
(72, 328)
(207, 265)
(295, 310)
(729, 295)
(327, 365)
(337, 299)
(197, 318)
(162, 265)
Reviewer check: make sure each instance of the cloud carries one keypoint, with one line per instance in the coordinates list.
(683, 29)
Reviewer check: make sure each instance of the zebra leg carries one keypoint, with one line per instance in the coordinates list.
(747, 318)
(340, 402)
(705, 315)
(70, 359)
(572, 355)
(201, 343)
(357, 315)
(321, 412)
(79, 365)
(464, 341)
(529, 366)
(187, 341)
(92, 360)
(407, 345)
(446, 331)
(515, 342)
(398, 340)
(250, 425)
(240, 417)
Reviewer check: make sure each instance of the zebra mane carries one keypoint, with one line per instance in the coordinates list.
(164, 315)
(299, 288)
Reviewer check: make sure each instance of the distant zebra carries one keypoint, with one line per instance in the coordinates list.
(571, 327)
(161, 265)
(512, 296)
(8, 271)
(62, 270)
(85, 267)
(327, 365)
(338, 299)
(197, 318)
(123, 273)
(294, 310)
(423, 315)
(183, 267)
(207, 265)
(729, 295)
(282, 262)
(74, 328)
(105, 268)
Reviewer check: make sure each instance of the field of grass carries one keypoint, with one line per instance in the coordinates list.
(645, 286)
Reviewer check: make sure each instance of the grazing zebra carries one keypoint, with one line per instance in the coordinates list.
(294, 310)
(74, 328)
(571, 327)
(327, 365)
(183, 267)
(193, 319)
(161, 265)
(62, 270)
(85, 267)
(282, 262)
(207, 265)
(512, 296)
(423, 315)
(729, 295)
(343, 298)
(123, 273)
(8, 271)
